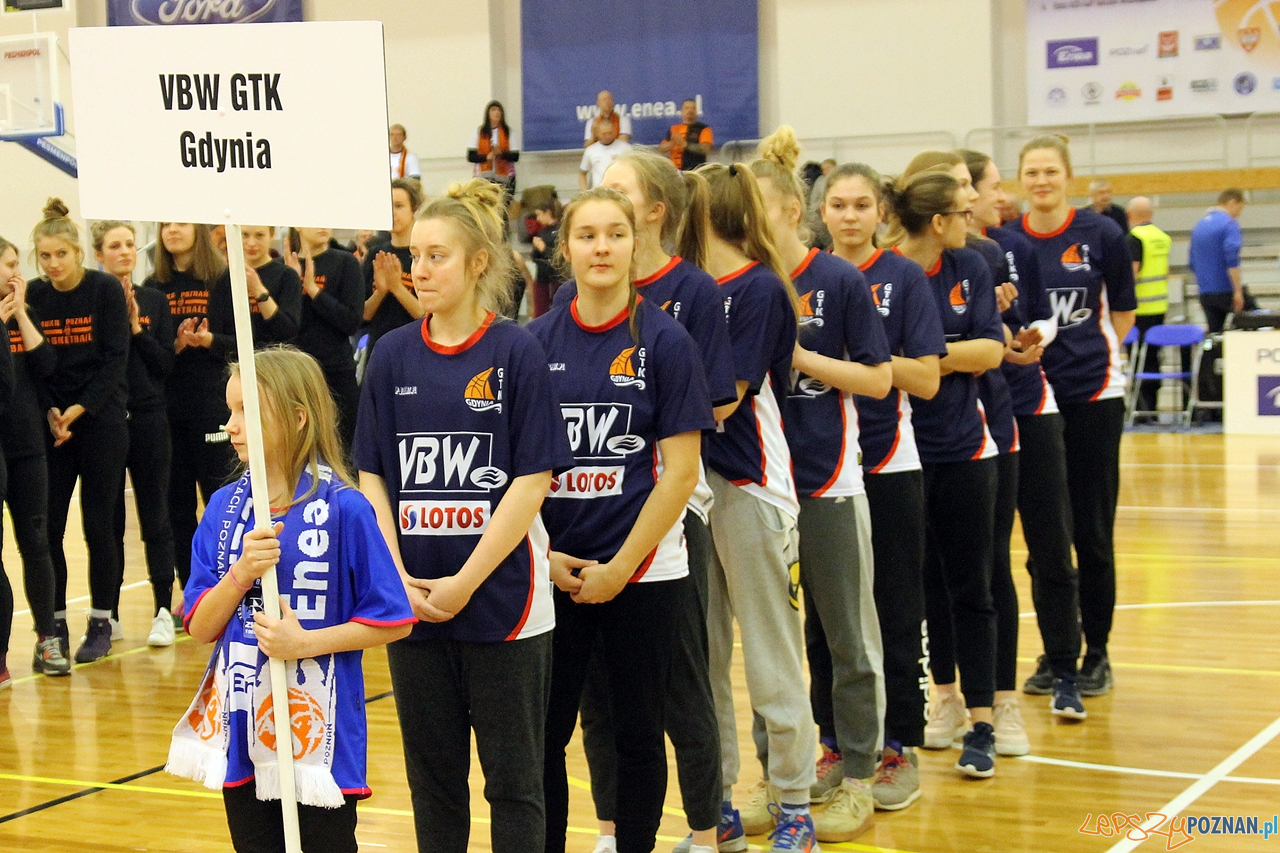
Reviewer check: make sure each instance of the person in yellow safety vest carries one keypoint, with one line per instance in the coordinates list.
(1149, 249)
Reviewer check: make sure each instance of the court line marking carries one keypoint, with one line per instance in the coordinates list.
(1197, 509)
(39, 807)
(1201, 786)
(181, 638)
(1142, 771)
(1163, 605)
(1161, 667)
(17, 613)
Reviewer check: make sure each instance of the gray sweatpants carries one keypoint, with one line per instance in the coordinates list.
(750, 580)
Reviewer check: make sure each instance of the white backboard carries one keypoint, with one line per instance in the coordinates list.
(297, 132)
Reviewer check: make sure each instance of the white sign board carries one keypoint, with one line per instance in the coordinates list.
(1100, 61)
(262, 124)
(1251, 383)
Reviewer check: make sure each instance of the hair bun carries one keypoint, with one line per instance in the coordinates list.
(781, 147)
(56, 208)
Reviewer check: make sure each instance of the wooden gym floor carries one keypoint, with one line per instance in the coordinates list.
(1191, 726)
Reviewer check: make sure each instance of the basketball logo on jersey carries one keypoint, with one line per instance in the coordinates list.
(623, 373)
(1076, 258)
(882, 293)
(672, 307)
(1069, 306)
(811, 308)
(479, 391)
(960, 297)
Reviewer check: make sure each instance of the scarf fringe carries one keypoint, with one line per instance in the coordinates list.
(197, 762)
(314, 786)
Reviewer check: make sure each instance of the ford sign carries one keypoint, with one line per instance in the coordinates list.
(167, 12)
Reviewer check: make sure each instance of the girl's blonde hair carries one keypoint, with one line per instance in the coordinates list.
(476, 208)
(100, 229)
(686, 198)
(207, 262)
(5, 246)
(777, 157)
(738, 217)
(56, 224)
(289, 382)
(628, 210)
(1054, 142)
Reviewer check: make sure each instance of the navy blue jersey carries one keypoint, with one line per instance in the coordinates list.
(838, 319)
(619, 397)
(951, 427)
(1086, 269)
(901, 293)
(993, 390)
(690, 296)
(1028, 386)
(448, 428)
(749, 449)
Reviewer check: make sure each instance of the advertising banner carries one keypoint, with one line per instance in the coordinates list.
(147, 13)
(1121, 60)
(650, 56)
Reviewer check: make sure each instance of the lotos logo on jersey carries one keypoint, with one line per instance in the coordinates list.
(443, 518)
(587, 481)
(448, 462)
(882, 293)
(1076, 258)
(960, 297)
(479, 391)
(624, 373)
(1068, 305)
(811, 308)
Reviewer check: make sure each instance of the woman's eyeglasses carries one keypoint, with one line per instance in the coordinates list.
(967, 214)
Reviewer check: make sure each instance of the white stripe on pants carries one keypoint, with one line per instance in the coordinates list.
(750, 579)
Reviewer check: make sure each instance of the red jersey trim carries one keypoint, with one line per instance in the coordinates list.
(983, 445)
(1044, 391)
(871, 260)
(650, 279)
(191, 611)
(932, 271)
(379, 623)
(897, 437)
(462, 347)
(731, 276)
(528, 599)
(804, 265)
(1026, 225)
(644, 567)
(621, 318)
(844, 428)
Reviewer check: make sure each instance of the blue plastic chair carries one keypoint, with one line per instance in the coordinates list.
(1171, 335)
(1130, 344)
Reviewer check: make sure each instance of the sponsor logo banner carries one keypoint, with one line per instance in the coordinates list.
(1168, 45)
(1246, 82)
(152, 13)
(1072, 53)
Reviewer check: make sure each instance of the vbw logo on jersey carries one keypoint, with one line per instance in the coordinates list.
(1269, 396)
(1076, 258)
(479, 391)
(960, 297)
(1069, 305)
(448, 462)
(810, 387)
(628, 368)
(600, 430)
(882, 293)
(811, 305)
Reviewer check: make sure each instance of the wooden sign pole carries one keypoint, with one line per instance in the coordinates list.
(262, 519)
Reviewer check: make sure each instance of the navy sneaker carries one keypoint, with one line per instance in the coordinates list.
(979, 756)
(1066, 700)
(729, 835)
(795, 833)
(1041, 683)
(1095, 677)
(97, 641)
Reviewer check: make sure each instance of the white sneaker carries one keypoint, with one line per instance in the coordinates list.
(605, 844)
(948, 721)
(162, 632)
(1011, 734)
(117, 632)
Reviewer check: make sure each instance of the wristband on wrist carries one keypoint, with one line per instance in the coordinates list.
(231, 573)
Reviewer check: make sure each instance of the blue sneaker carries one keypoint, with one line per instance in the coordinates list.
(729, 835)
(1066, 700)
(794, 834)
(979, 756)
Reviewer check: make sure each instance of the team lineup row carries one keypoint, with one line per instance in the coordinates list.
(708, 400)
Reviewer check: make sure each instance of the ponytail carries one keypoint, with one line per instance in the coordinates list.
(912, 201)
(778, 155)
(738, 217)
(695, 226)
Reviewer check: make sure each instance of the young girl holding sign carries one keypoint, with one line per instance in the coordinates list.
(86, 321)
(639, 405)
(339, 594)
(458, 435)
